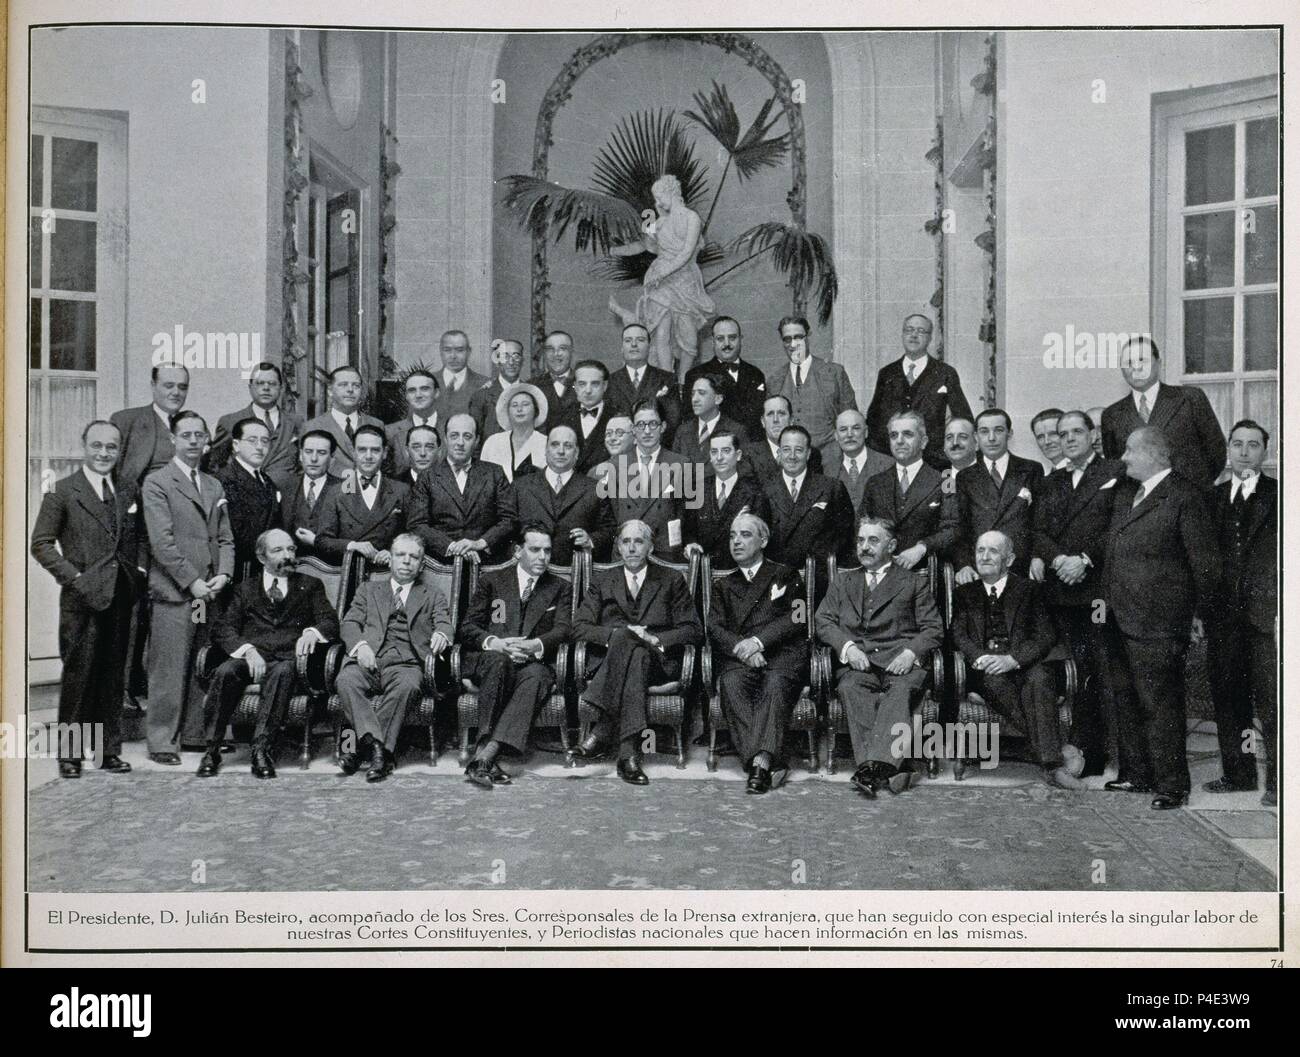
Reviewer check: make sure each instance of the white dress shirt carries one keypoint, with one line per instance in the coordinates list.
(99, 482)
(1149, 485)
(1243, 486)
(1150, 394)
(1077, 475)
(454, 379)
(727, 485)
(635, 373)
(1004, 460)
(587, 423)
(343, 420)
(999, 586)
(557, 481)
(796, 482)
(635, 581)
(371, 493)
(907, 474)
(918, 366)
(271, 416)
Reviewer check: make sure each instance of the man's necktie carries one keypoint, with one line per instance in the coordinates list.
(645, 473)
(993, 594)
(1139, 495)
(872, 580)
(902, 482)
(275, 594)
(194, 479)
(853, 471)
(528, 590)
(997, 477)
(633, 588)
(311, 494)
(1144, 409)
(590, 412)
(798, 376)
(911, 373)
(397, 598)
(794, 491)
(722, 495)
(350, 430)
(1238, 494)
(704, 432)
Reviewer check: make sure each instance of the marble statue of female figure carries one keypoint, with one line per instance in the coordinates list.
(673, 304)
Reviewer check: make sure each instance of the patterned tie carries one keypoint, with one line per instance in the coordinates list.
(873, 578)
(722, 495)
(1144, 409)
(997, 477)
(275, 594)
(350, 430)
(794, 490)
(1139, 495)
(633, 588)
(645, 473)
(311, 493)
(397, 598)
(528, 591)
(853, 471)
(704, 432)
(911, 372)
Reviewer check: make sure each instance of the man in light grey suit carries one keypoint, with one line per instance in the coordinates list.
(856, 463)
(391, 630)
(343, 419)
(192, 561)
(817, 389)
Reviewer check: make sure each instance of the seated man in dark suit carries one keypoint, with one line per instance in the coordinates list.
(760, 631)
(638, 613)
(691, 441)
(462, 505)
(1162, 569)
(390, 630)
(518, 621)
(1003, 629)
(763, 456)
(997, 492)
(912, 495)
(882, 626)
(302, 504)
(367, 511)
(565, 503)
(254, 500)
(1181, 412)
(1242, 642)
(808, 513)
(88, 536)
(271, 620)
(727, 493)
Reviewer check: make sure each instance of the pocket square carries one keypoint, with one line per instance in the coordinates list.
(941, 390)
(1108, 484)
(777, 591)
(277, 495)
(1026, 495)
(133, 508)
(550, 609)
(934, 504)
(222, 501)
(820, 506)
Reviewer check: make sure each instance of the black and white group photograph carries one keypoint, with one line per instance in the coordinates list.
(732, 460)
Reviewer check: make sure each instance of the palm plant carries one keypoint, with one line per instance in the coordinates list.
(650, 144)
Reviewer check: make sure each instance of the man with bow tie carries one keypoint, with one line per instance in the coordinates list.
(640, 614)
(304, 501)
(1071, 522)
(882, 625)
(1162, 569)
(265, 385)
(391, 629)
(192, 560)
(565, 502)
(344, 417)
(253, 498)
(272, 619)
(1004, 632)
(760, 632)
(87, 536)
(1243, 630)
(912, 495)
(368, 509)
(996, 492)
(518, 620)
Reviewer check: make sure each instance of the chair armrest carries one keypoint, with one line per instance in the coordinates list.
(937, 671)
(959, 673)
(821, 659)
(580, 665)
(688, 668)
(706, 666)
(317, 670)
(1069, 677)
(562, 666)
(456, 650)
(949, 586)
(206, 661)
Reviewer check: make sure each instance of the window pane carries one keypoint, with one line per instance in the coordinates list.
(1220, 396)
(1211, 158)
(1261, 244)
(1261, 157)
(1261, 405)
(38, 169)
(72, 255)
(1209, 250)
(34, 257)
(72, 335)
(337, 304)
(1207, 335)
(34, 333)
(72, 405)
(35, 417)
(74, 173)
(1260, 322)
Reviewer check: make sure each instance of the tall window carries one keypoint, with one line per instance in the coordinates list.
(1221, 220)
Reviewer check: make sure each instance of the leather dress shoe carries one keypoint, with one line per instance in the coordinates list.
(171, 759)
(115, 765)
(263, 767)
(381, 765)
(760, 780)
(1227, 785)
(591, 748)
(480, 773)
(864, 781)
(210, 764)
(1126, 787)
(1168, 801)
(349, 762)
(499, 777)
(629, 769)
(69, 768)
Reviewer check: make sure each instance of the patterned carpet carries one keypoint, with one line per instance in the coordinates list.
(436, 832)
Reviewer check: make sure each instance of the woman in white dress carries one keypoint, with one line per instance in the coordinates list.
(521, 446)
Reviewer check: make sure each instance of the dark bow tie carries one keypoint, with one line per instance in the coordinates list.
(590, 412)
(367, 482)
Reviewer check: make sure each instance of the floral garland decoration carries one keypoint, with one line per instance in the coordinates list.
(986, 84)
(388, 171)
(296, 181)
(935, 227)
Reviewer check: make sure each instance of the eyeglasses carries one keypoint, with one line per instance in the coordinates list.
(916, 330)
(790, 339)
(648, 425)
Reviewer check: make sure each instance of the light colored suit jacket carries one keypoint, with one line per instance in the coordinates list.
(190, 537)
(872, 464)
(816, 404)
(900, 615)
(427, 611)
